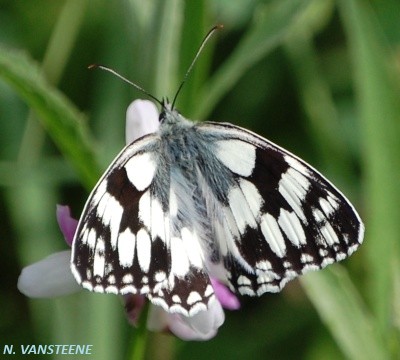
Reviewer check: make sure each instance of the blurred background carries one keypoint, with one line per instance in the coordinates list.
(320, 78)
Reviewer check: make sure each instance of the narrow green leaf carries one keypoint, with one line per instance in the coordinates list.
(316, 98)
(195, 27)
(169, 17)
(59, 117)
(268, 30)
(379, 111)
(344, 313)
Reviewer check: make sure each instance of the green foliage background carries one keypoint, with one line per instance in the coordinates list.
(320, 78)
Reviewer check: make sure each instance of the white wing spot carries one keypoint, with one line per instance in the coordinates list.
(209, 291)
(306, 258)
(115, 212)
(326, 207)
(158, 220)
(98, 288)
(111, 289)
(179, 258)
(318, 215)
(273, 235)
(127, 279)
(287, 265)
(145, 209)
(153, 217)
(294, 186)
(193, 298)
(99, 260)
(176, 299)
(340, 256)
(245, 290)
(128, 289)
(140, 170)
(243, 280)
(160, 276)
(238, 156)
(91, 239)
(290, 224)
(240, 209)
(143, 248)
(252, 196)
(264, 265)
(126, 248)
(329, 234)
(296, 164)
(87, 285)
(323, 252)
(264, 278)
(326, 229)
(333, 201)
(327, 261)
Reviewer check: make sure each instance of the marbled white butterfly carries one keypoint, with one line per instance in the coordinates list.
(194, 199)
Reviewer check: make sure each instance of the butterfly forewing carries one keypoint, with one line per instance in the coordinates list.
(283, 217)
(125, 242)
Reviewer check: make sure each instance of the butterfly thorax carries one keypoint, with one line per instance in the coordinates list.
(177, 140)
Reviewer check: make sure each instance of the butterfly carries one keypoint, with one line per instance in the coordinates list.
(194, 199)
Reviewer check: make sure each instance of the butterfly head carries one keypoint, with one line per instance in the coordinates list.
(169, 115)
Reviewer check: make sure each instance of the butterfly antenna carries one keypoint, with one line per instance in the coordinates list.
(136, 86)
(203, 43)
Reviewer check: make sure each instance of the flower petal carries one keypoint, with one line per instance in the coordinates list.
(227, 298)
(49, 277)
(202, 326)
(206, 323)
(66, 223)
(141, 119)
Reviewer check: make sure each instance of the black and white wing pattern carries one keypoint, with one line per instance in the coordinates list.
(126, 241)
(280, 218)
(198, 200)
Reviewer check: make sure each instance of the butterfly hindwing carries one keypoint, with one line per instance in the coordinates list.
(282, 217)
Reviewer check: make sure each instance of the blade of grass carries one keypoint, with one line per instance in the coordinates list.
(60, 118)
(195, 27)
(344, 313)
(379, 111)
(169, 17)
(317, 102)
(57, 53)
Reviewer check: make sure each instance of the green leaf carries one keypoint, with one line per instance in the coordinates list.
(195, 27)
(377, 94)
(315, 95)
(58, 116)
(169, 17)
(344, 313)
(268, 30)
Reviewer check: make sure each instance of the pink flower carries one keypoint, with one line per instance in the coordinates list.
(52, 276)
